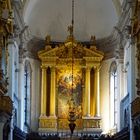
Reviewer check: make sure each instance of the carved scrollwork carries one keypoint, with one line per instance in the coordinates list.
(5, 32)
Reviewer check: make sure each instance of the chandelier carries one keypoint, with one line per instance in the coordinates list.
(72, 108)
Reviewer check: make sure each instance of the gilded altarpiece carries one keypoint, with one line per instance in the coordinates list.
(65, 93)
(60, 60)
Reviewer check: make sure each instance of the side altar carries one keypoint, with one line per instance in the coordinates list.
(56, 67)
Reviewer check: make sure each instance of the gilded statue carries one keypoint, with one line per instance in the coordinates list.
(47, 42)
(93, 40)
(93, 43)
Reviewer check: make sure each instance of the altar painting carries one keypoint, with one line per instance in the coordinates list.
(65, 92)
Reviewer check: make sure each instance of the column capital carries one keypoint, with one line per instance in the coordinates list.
(53, 68)
(43, 67)
(88, 68)
(119, 61)
(97, 68)
(11, 41)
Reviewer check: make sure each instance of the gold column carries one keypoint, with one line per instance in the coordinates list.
(9, 4)
(84, 93)
(97, 92)
(52, 93)
(87, 92)
(92, 93)
(43, 91)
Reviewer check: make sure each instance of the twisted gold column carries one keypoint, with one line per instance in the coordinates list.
(87, 92)
(43, 91)
(52, 93)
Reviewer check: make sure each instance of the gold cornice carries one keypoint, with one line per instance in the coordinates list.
(47, 53)
(93, 59)
(71, 42)
(62, 55)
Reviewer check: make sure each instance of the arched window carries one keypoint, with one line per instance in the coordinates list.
(113, 95)
(16, 71)
(15, 117)
(27, 99)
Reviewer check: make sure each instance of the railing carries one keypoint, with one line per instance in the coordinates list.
(122, 135)
(18, 134)
(6, 105)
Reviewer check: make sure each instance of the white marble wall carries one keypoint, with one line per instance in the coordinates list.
(131, 75)
(35, 94)
(121, 87)
(104, 92)
(12, 77)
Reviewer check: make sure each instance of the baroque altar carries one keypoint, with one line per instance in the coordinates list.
(56, 67)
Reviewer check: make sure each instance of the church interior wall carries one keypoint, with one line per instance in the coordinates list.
(127, 75)
(35, 93)
(104, 91)
(19, 99)
(12, 69)
(21, 96)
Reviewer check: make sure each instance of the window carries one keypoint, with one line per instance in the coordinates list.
(113, 94)
(15, 117)
(27, 86)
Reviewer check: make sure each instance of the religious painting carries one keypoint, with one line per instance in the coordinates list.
(65, 91)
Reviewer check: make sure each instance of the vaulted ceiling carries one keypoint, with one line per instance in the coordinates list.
(52, 17)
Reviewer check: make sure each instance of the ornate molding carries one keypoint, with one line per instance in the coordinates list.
(62, 55)
(51, 124)
(6, 30)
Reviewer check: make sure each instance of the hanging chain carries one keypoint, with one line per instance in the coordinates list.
(72, 14)
(72, 44)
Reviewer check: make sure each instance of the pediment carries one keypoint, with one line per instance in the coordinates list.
(71, 49)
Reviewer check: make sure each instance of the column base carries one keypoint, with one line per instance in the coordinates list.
(54, 124)
(53, 117)
(42, 116)
(86, 116)
(91, 122)
(48, 123)
(97, 117)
